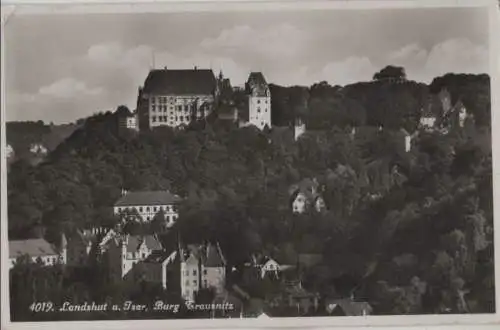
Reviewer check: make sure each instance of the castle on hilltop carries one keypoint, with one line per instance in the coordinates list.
(175, 98)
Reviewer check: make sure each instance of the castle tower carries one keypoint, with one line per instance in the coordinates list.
(299, 128)
(259, 100)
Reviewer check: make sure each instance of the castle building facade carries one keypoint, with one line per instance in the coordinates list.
(176, 97)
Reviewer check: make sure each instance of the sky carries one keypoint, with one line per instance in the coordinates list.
(59, 68)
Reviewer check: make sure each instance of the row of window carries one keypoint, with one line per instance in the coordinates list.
(167, 208)
(195, 283)
(265, 101)
(186, 108)
(136, 255)
(163, 99)
(258, 110)
(164, 119)
(186, 272)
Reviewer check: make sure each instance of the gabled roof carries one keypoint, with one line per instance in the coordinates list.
(148, 198)
(159, 256)
(214, 257)
(151, 242)
(36, 247)
(257, 84)
(123, 111)
(210, 255)
(180, 82)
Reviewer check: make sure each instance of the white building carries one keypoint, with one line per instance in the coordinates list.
(259, 100)
(176, 97)
(37, 250)
(37, 148)
(201, 267)
(428, 121)
(146, 204)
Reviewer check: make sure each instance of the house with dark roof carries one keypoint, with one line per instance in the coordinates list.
(155, 268)
(125, 251)
(36, 250)
(143, 206)
(127, 119)
(305, 194)
(172, 97)
(347, 307)
(259, 100)
(195, 267)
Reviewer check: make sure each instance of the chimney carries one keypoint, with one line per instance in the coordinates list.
(195, 68)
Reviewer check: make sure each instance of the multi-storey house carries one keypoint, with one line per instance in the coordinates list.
(176, 97)
(195, 267)
(259, 100)
(145, 205)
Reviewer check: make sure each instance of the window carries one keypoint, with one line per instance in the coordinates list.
(258, 101)
(186, 272)
(140, 209)
(204, 272)
(155, 208)
(194, 272)
(258, 110)
(148, 218)
(187, 283)
(205, 283)
(154, 119)
(147, 209)
(153, 100)
(195, 282)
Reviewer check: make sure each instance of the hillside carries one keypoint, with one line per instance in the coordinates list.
(434, 208)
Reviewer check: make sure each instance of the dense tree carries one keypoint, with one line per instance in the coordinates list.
(419, 221)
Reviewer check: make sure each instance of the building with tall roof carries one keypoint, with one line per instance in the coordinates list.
(307, 193)
(125, 251)
(200, 266)
(259, 100)
(127, 119)
(37, 250)
(143, 206)
(176, 97)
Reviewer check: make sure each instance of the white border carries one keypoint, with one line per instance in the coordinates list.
(118, 6)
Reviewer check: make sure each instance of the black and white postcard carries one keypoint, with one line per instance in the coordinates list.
(217, 164)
